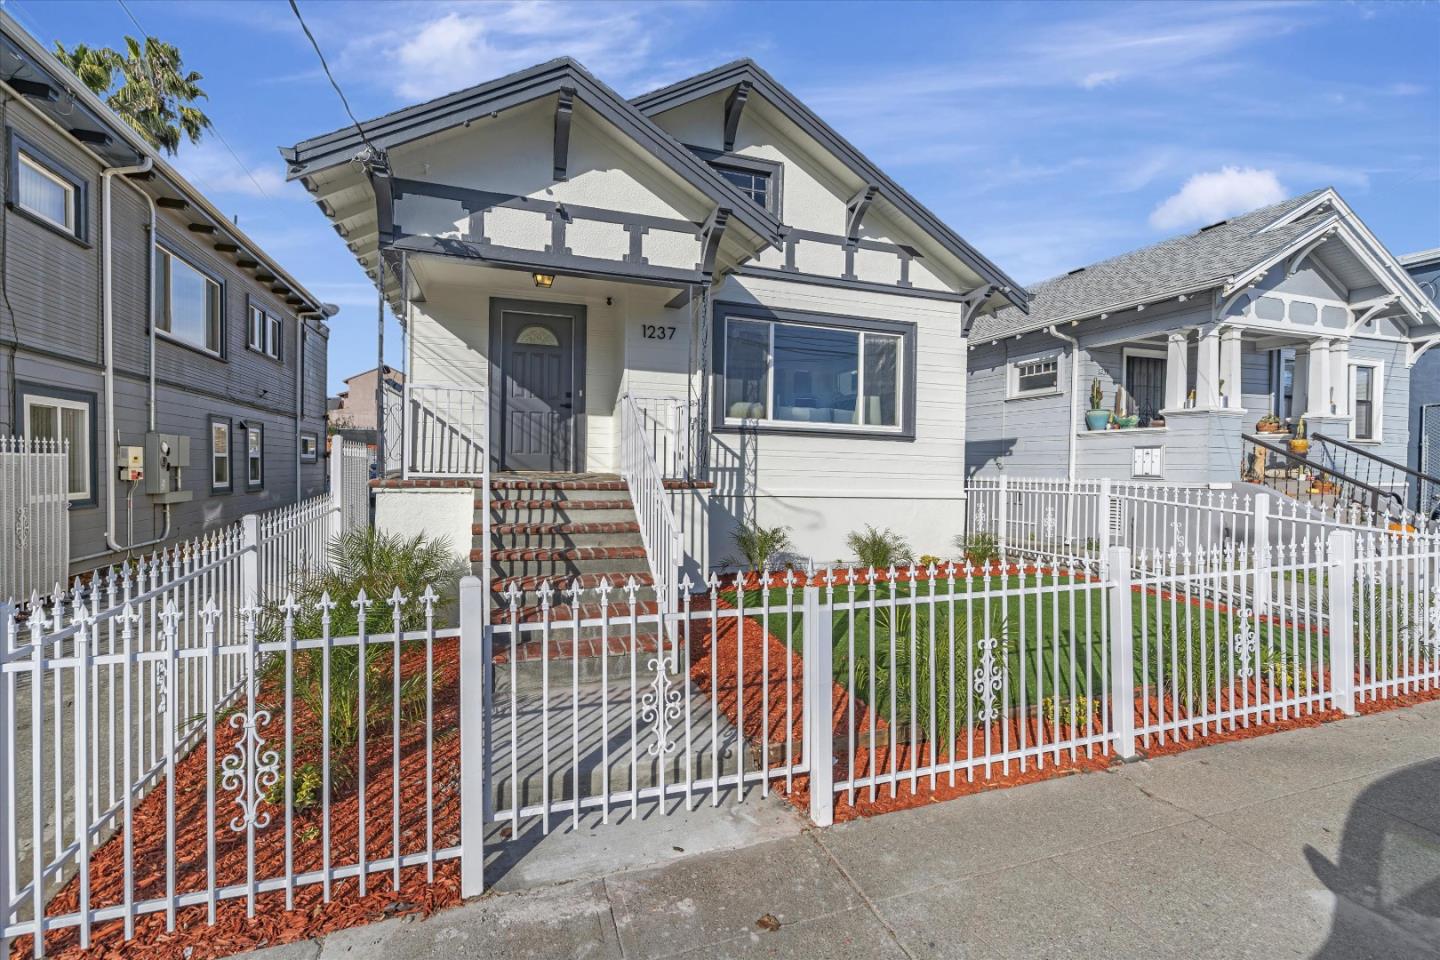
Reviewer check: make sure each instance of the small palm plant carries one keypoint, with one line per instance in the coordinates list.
(879, 548)
(761, 546)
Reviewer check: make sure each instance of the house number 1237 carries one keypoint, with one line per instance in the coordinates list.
(653, 332)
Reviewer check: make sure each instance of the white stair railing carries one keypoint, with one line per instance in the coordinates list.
(659, 529)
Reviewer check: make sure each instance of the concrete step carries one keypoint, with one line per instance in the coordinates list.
(587, 487)
(556, 536)
(566, 562)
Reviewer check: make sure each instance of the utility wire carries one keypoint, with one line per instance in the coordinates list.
(213, 127)
(376, 152)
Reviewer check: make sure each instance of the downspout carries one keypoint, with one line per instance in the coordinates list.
(1073, 429)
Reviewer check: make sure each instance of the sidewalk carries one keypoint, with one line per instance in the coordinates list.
(1321, 842)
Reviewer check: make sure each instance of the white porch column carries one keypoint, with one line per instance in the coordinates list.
(1340, 377)
(1230, 366)
(1317, 384)
(1177, 369)
(1207, 374)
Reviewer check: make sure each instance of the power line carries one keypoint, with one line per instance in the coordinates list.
(375, 151)
(215, 129)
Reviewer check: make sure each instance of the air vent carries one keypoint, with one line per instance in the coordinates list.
(1218, 223)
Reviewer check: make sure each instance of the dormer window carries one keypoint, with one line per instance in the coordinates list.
(755, 184)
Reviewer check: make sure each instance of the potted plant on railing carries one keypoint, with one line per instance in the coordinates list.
(1269, 424)
(1300, 443)
(1124, 418)
(1097, 418)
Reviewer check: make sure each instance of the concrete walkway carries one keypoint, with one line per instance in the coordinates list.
(1317, 843)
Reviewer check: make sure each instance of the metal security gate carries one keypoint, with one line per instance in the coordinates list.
(700, 705)
(1430, 457)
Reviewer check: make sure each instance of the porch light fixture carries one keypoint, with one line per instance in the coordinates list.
(544, 280)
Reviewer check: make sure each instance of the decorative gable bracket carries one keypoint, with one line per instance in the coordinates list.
(734, 107)
(564, 110)
(710, 235)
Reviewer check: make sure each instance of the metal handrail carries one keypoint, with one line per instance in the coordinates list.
(1377, 493)
(659, 528)
(1417, 474)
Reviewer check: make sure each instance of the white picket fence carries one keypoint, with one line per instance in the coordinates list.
(34, 515)
(172, 750)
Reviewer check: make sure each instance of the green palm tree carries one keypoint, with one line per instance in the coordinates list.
(155, 94)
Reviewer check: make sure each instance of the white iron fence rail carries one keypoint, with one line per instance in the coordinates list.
(445, 430)
(1396, 611)
(659, 528)
(34, 516)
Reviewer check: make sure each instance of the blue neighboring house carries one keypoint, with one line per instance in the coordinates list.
(1424, 452)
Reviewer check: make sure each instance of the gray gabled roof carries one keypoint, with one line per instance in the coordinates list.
(523, 86)
(1186, 264)
(748, 71)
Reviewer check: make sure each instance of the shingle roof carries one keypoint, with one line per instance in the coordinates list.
(1174, 265)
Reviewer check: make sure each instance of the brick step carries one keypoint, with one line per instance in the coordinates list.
(562, 613)
(572, 554)
(518, 504)
(560, 536)
(591, 487)
(530, 583)
(557, 528)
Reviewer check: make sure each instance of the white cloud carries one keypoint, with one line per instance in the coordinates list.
(1216, 195)
(1099, 78)
(212, 168)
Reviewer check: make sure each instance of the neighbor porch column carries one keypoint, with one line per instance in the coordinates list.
(1340, 377)
(1177, 369)
(1207, 374)
(1317, 385)
(1230, 367)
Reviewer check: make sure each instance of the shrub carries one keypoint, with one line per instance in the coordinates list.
(1077, 715)
(761, 545)
(928, 560)
(981, 549)
(879, 548)
(377, 563)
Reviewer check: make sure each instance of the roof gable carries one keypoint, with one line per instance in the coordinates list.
(524, 86)
(747, 76)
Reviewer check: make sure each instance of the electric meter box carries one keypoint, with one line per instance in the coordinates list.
(166, 454)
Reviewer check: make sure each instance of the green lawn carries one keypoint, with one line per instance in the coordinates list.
(1052, 641)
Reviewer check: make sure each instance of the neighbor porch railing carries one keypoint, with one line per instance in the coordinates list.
(1419, 492)
(659, 529)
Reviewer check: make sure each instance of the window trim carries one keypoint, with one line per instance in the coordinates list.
(1377, 400)
(907, 332)
(210, 423)
(268, 316)
(1012, 377)
(174, 251)
(739, 161)
(254, 427)
(26, 389)
(80, 188)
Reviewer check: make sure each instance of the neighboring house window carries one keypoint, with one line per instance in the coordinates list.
(309, 447)
(46, 190)
(1034, 377)
(220, 454)
(254, 456)
(187, 302)
(755, 184)
(812, 375)
(1145, 383)
(1365, 401)
(265, 332)
(67, 419)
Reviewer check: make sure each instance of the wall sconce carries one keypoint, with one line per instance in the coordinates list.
(544, 280)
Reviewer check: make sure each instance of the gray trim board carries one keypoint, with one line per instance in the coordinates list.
(30, 388)
(725, 309)
(578, 314)
(769, 273)
(774, 200)
(524, 86)
(747, 71)
(544, 261)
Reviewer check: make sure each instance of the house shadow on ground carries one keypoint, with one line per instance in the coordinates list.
(1386, 877)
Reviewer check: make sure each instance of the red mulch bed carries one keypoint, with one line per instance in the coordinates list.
(193, 938)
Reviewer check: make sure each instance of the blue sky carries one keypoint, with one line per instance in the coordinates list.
(1049, 135)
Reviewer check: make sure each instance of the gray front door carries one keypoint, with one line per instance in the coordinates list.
(539, 393)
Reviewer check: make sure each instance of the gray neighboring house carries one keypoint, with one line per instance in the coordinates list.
(1424, 267)
(232, 366)
(1293, 309)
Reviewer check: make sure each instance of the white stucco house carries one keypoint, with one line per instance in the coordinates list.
(706, 286)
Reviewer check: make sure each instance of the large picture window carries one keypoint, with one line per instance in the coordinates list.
(63, 418)
(187, 302)
(812, 375)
